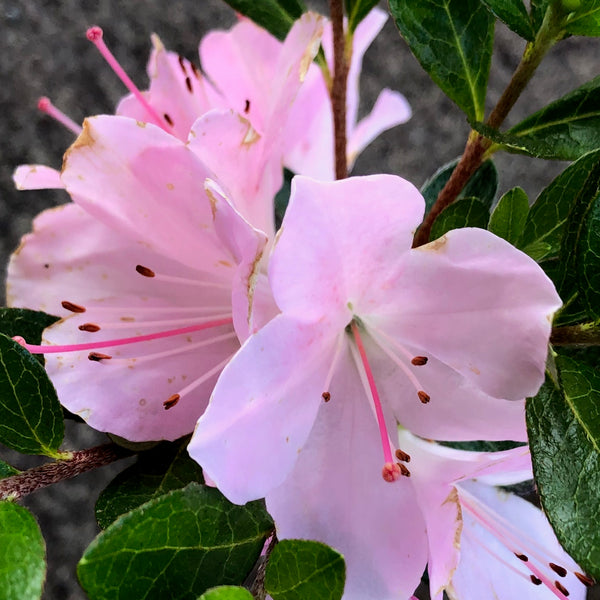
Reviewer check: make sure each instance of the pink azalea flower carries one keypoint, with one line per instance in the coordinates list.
(372, 333)
(193, 219)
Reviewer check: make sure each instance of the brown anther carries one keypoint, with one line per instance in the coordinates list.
(585, 579)
(535, 580)
(168, 119)
(522, 557)
(91, 327)
(419, 361)
(145, 271)
(247, 107)
(560, 571)
(97, 356)
(326, 396)
(403, 470)
(72, 307)
(171, 402)
(188, 84)
(423, 397)
(182, 64)
(195, 69)
(403, 456)
(561, 588)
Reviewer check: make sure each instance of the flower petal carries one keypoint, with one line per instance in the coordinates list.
(263, 408)
(146, 184)
(336, 494)
(339, 243)
(37, 177)
(462, 298)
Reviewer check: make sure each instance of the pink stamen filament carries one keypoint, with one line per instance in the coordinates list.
(336, 357)
(486, 523)
(95, 35)
(385, 440)
(203, 378)
(194, 282)
(45, 105)
(34, 349)
(163, 323)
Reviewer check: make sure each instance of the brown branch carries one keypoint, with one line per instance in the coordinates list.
(576, 335)
(338, 90)
(258, 586)
(17, 486)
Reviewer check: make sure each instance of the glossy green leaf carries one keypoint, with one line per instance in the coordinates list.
(566, 129)
(31, 419)
(452, 39)
(166, 467)
(564, 437)
(585, 20)
(508, 219)
(175, 546)
(538, 10)
(22, 554)
(547, 219)
(482, 185)
(227, 592)
(588, 261)
(276, 16)
(467, 212)
(514, 14)
(6, 470)
(357, 10)
(301, 569)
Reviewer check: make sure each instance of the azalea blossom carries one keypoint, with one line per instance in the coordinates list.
(446, 339)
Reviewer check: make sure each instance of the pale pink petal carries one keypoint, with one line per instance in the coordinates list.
(73, 257)
(391, 109)
(457, 410)
(489, 569)
(237, 155)
(263, 408)
(434, 471)
(37, 177)
(336, 494)
(462, 298)
(147, 185)
(177, 90)
(246, 244)
(328, 258)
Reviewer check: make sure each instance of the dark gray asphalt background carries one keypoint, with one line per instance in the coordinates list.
(43, 51)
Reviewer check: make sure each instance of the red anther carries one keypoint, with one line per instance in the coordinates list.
(391, 472)
(94, 33)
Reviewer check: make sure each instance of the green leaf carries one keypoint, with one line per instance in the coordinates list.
(467, 212)
(227, 592)
(31, 419)
(22, 554)
(564, 437)
(7, 470)
(514, 14)
(538, 11)
(588, 261)
(565, 129)
(482, 185)
(452, 39)
(508, 219)
(357, 10)
(300, 569)
(547, 218)
(175, 546)
(166, 467)
(585, 20)
(276, 16)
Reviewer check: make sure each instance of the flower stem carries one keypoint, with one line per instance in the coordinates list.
(582, 335)
(17, 486)
(338, 89)
(477, 145)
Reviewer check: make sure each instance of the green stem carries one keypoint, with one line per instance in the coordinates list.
(17, 486)
(477, 145)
